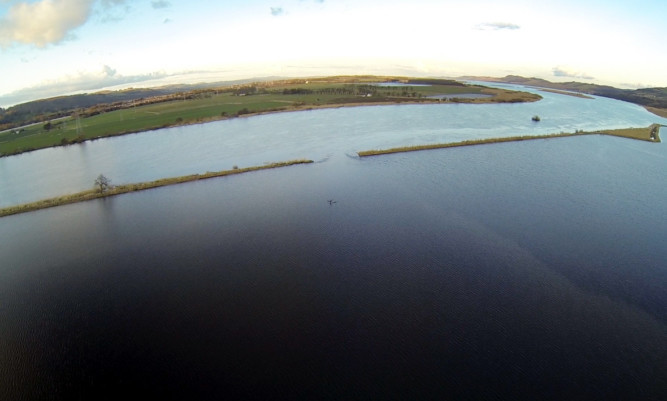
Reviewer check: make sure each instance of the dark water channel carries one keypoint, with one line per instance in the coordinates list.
(530, 270)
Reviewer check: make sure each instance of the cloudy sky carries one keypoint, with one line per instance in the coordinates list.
(53, 47)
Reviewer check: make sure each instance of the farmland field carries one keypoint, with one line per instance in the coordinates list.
(216, 104)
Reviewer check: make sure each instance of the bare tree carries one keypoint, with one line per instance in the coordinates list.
(102, 183)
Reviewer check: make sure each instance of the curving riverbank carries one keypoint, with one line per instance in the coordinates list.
(650, 134)
(125, 188)
(566, 93)
(210, 105)
(662, 112)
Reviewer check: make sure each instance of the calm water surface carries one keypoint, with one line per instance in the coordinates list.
(533, 270)
(317, 135)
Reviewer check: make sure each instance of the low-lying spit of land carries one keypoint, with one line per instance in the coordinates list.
(567, 93)
(121, 189)
(650, 133)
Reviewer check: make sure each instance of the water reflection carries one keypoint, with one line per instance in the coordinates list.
(317, 135)
(483, 272)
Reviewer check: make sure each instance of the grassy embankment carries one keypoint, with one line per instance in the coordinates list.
(121, 189)
(231, 102)
(643, 134)
(561, 92)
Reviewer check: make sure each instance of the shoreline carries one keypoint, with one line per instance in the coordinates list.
(140, 186)
(649, 134)
(657, 111)
(498, 96)
(287, 109)
(566, 93)
(640, 134)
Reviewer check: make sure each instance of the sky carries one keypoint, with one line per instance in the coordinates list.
(55, 47)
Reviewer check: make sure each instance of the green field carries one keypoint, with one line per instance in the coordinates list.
(135, 119)
(216, 104)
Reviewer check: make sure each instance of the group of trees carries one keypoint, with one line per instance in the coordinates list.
(355, 90)
(15, 117)
(297, 91)
(248, 90)
(73, 141)
(52, 125)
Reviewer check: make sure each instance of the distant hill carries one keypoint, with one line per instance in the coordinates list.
(63, 105)
(90, 103)
(651, 97)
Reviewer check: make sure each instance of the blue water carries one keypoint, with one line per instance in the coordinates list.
(528, 270)
(316, 135)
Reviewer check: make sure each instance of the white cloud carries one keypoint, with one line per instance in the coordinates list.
(43, 22)
(496, 26)
(276, 11)
(46, 22)
(569, 73)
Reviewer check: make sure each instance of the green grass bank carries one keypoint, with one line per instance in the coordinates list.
(125, 188)
(238, 101)
(650, 134)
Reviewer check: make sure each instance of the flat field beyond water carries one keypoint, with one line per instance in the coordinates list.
(222, 103)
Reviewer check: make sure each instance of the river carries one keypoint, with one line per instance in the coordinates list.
(516, 270)
(316, 135)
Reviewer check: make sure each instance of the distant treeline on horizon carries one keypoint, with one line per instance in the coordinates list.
(62, 106)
